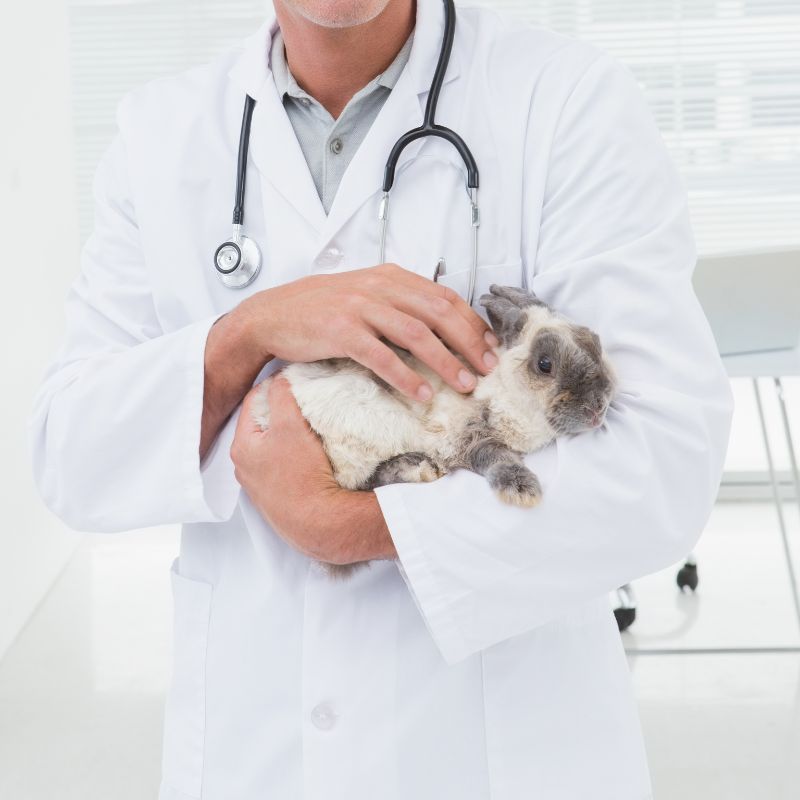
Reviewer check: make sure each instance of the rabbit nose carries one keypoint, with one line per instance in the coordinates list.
(595, 414)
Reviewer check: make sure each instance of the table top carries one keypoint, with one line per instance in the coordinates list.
(769, 364)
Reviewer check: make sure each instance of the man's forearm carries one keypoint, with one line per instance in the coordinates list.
(233, 359)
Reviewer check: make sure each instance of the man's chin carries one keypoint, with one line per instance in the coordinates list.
(338, 13)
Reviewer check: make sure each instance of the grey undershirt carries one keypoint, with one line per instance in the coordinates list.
(328, 144)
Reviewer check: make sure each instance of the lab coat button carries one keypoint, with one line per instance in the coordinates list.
(323, 717)
(330, 257)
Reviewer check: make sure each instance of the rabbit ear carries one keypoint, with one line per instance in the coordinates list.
(518, 297)
(507, 319)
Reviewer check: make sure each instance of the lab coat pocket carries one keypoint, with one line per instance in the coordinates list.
(184, 718)
(506, 274)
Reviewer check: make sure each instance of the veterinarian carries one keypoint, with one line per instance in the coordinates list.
(477, 657)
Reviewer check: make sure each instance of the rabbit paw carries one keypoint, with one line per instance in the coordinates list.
(516, 485)
(410, 467)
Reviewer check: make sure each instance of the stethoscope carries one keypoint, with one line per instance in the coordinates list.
(238, 260)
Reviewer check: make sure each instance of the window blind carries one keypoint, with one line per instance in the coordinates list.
(722, 78)
(117, 45)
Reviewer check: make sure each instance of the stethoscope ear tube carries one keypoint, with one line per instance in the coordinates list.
(429, 126)
(241, 166)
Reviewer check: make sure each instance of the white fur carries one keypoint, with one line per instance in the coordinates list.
(363, 424)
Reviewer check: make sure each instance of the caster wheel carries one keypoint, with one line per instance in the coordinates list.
(625, 618)
(687, 577)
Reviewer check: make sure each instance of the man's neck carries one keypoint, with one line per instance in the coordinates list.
(332, 64)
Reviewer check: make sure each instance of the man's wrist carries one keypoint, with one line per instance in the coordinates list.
(254, 322)
(362, 528)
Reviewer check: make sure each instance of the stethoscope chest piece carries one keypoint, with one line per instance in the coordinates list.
(237, 261)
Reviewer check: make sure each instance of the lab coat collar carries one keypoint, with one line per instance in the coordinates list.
(273, 145)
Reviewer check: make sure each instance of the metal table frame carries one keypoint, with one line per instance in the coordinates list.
(736, 365)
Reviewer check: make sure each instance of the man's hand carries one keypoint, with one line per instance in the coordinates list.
(344, 314)
(288, 477)
(347, 313)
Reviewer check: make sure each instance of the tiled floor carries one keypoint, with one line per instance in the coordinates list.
(81, 691)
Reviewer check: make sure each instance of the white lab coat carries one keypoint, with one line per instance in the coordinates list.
(486, 663)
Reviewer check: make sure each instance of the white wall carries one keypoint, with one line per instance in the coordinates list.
(38, 223)
(45, 175)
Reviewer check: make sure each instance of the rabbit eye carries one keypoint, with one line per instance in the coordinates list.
(545, 365)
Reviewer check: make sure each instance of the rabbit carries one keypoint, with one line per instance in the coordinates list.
(552, 379)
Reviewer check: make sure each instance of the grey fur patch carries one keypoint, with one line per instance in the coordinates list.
(581, 382)
(401, 468)
(476, 430)
(480, 449)
(519, 297)
(507, 319)
(486, 454)
(503, 468)
(506, 308)
(547, 344)
(589, 341)
(584, 375)
(514, 479)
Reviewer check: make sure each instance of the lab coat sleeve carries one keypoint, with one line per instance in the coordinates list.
(115, 426)
(614, 251)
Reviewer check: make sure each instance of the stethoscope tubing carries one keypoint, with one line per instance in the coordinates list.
(241, 164)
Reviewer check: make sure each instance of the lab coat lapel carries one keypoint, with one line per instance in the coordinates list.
(402, 111)
(277, 155)
(274, 149)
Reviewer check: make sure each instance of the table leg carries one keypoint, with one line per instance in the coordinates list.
(789, 440)
(778, 504)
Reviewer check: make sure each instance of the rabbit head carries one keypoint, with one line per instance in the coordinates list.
(550, 360)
